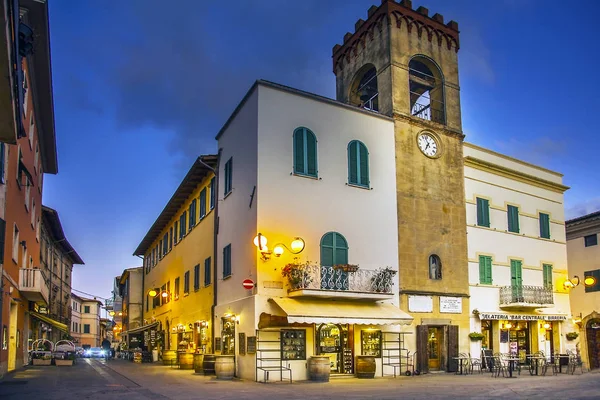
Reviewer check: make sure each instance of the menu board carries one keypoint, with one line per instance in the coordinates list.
(242, 343)
(371, 343)
(251, 344)
(293, 344)
(217, 344)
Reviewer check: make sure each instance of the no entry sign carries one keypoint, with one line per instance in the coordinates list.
(248, 284)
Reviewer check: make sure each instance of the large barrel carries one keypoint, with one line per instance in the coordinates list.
(319, 368)
(186, 360)
(198, 360)
(208, 364)
(224, 367)
(365, 367)
(169, 357)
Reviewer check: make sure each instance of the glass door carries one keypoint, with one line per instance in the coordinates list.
(434, 347)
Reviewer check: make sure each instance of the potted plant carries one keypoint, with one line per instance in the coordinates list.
(475, 336)
(41, 357)
(346, 267)
(298, 275)
(382, 280)
(66, 359)
(572, 335)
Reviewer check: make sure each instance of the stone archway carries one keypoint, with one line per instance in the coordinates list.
(590, 340)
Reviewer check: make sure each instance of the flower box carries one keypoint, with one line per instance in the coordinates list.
(346, 267)
(59, 363)
(41, 361)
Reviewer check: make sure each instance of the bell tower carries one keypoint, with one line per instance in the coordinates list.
(404, 63)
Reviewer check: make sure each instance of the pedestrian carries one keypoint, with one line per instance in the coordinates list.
(106, 348)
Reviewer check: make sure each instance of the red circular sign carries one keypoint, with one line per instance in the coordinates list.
(248, 284)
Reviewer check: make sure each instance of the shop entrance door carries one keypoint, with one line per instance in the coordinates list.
(434, 348)
(593, 342)
(335, 341)
(12, 335)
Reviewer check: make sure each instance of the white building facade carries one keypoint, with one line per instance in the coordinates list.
(90, 322)
(296, 165)
(517, 255)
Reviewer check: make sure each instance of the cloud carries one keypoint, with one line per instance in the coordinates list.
(536, 151)
(475, 57)
(582, 208)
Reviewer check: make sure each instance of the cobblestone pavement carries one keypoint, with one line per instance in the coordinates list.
(97, 379)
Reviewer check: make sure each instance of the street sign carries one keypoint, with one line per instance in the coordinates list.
(248, 284)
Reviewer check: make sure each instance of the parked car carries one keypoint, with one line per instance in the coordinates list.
(79, 351)
(94, 352)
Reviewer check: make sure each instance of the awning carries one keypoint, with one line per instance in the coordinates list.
(50, 321)
(141, 328)
(305, 311)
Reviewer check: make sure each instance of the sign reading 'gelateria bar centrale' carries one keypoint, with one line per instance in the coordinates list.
(521, 317)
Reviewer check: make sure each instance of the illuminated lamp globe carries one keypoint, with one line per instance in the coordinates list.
(264, 249)
(120, 313)
(152, 292)
(546, 326)
(111, 313)
(508, 325)
(297, 245)
(165, 294)
(589, 281)
(278, 250)
(263, 241)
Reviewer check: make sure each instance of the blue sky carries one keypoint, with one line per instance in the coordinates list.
(142, 86)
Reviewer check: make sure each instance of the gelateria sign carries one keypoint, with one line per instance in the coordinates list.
(522, 317)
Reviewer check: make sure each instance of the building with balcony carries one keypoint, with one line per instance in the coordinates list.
(28, 125)
(178, 252)
(517, 254)
(583, 253)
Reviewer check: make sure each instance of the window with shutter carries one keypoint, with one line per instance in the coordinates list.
(547, 272)
(186, 282)
(544, 226)
(228, 176)
(192, 213)
(591, 240)
(334, 251)
(197, 277)
(207, 273)
(203, 203)
(176, 289)
(213, 193)
(485, 270)
(305, 152)
(513, 219)
(358, 164)
(227, 261)
(483, 212)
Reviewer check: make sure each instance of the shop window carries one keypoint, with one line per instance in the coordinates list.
(591, 240)
(513, 219)
(435, 267)
(544, 226)
(596, 286)
(228, 336)
(293, 344)
(485, 270)
(370, 342)
(305, 152)
(483, 212)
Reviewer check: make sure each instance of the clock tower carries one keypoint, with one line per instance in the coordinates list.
(404, 63)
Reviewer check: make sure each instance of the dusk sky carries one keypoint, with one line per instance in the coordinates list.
(141, 88)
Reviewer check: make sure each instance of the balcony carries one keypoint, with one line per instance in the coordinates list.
(33, 285)
(526, 297)
(339, 282)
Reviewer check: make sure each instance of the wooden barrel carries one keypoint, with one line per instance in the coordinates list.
(208, 364)
(319, 368)
(365, 367)
(198, 360)
(186, 360)
(224, 367)
(169, 357)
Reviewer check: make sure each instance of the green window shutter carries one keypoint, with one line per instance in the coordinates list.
(363, 156)
(207, 273)
(516, 273)
(327, 249)
(213, 194)
(299, 165)
(547, 275)
(353, 163)
(513, 219)
(203, 203)
(483, 212)
(1, 162)
(544, 226)
(485, 270)
(227, 261)
(311, 153)
(341, 249)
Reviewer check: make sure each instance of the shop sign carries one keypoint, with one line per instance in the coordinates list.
(43, 310)
(251, 344)
(451, 305)
(521, 317)
(152, 337)
(420, 303)
(242, 344)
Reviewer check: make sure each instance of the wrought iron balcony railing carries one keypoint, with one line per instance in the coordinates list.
(316, 277)
(528, 295)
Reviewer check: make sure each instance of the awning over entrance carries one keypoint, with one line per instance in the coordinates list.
(141, 328)
(315, 311)
(50, 321)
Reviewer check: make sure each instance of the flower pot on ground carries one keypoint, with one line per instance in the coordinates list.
(40, 357)
(476, 336)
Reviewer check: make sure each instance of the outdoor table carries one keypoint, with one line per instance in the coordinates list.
(461, 359)
(511, 365)
(560, 365)
(535, 359)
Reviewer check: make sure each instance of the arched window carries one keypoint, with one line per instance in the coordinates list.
(363, 91)
(305, 152)
(435, 267)
(426, 85)
(334, 251)
(358, 164)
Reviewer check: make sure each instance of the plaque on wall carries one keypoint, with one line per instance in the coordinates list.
(217, 344)
(242, 343)
(451, 305)
(420, 303)
(251, 344)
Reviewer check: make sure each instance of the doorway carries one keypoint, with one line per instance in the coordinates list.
(335, 341)
(434, 341)
(12, 337)
(593, 342)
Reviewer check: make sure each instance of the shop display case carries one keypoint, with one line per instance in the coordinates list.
(293, 344)
(370, 343)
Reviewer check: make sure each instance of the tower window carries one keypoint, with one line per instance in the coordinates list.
(363, 91)
(426, 85)
(435, 267)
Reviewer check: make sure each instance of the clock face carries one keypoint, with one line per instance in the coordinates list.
(427, 144)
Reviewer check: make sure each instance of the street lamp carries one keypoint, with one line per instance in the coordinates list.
(260, 241)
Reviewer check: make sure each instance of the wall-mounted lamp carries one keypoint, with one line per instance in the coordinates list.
(111, 313)
(507, 325)
(545, 325)
(232, 317)
(260, 241)
(153, 292)
(575, 281)
(578, 318)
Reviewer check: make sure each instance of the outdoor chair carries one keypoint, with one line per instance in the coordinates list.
(474, 363)
(574, 362)
(498, 367)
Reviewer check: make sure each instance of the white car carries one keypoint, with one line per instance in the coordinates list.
(94, 352)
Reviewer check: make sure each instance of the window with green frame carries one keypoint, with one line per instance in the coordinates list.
(358, 164)
(228, 176)
(483, 212)
(203, 203)
(485, 270)
(513, 219)
(544, 226)
(227, 261)
(334, 251)
(305, 152)
(547, 271)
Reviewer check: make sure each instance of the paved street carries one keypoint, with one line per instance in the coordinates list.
(95, 379)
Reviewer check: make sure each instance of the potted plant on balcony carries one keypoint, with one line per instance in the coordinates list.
(298, 275)
(572, 335)
(476, 336)
(346, 267)
(382, 280)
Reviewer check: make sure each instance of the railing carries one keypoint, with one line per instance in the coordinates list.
(316, 277)
(534, 295)
(33, 284)
(428, 112)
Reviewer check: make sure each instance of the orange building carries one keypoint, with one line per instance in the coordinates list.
(23, 285)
